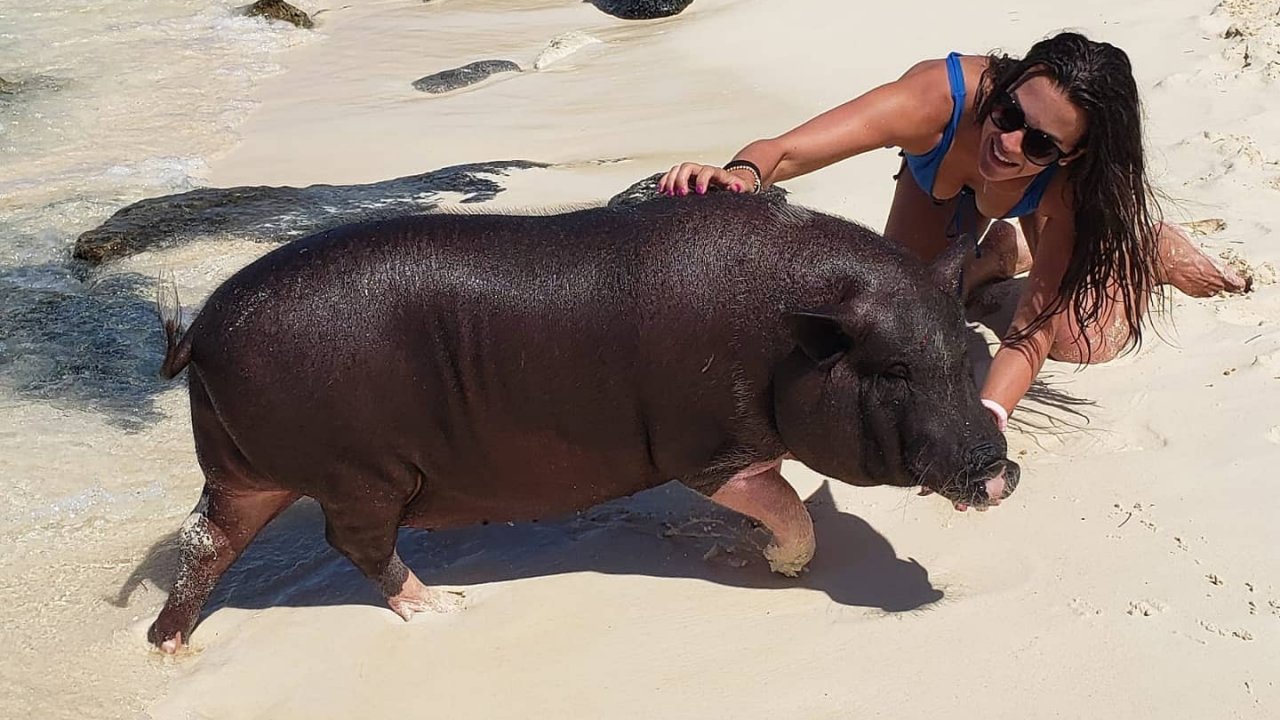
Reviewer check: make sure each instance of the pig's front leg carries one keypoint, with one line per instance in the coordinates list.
(760, 492)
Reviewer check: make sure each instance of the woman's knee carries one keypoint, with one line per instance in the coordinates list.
(1076, 352)
(1003, 250)
(1093, 346)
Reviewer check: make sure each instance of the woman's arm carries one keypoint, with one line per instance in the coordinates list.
(1052, 235)
(910, 112)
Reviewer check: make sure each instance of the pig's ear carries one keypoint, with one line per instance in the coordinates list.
(948, 268)
(819, 335)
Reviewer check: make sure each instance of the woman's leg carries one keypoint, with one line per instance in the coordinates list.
(920, 223)
(1182, 265)
(1005, 252)
(1188, 268)
(1100, 343)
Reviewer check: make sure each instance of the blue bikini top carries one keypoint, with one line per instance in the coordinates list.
(924, 168)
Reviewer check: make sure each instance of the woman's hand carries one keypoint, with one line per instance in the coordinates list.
(692, 177)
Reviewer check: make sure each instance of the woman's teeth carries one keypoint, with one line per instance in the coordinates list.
(995, 152)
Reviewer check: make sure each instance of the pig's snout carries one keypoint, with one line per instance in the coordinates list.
(989, 478)
(999, 475)
(1002, 479)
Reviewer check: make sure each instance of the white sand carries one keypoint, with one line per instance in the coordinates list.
(1135, 574)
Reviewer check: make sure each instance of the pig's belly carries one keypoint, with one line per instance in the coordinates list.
(510, 485)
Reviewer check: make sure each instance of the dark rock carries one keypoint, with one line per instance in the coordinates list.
(8, 88)
(647, 189)
(460, 77)
(280, 10)
(641, 9)
(280, 214)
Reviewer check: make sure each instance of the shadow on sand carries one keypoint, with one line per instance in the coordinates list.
(669, 531)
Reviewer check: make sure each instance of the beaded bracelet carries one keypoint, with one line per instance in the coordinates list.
(755, 171)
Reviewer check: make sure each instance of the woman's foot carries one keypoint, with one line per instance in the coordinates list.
(1188, 268)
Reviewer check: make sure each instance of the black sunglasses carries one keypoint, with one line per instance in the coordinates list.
(1037, 146)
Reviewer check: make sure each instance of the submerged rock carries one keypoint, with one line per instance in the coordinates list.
(86, 346)
(30, 84)
(647, 189)
(280, 214)
(461, 77)
(641, 9)
(280, 10)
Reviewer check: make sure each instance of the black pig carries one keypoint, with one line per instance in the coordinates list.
(446, 370)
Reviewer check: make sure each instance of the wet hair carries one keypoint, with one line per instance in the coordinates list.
(1116, 214)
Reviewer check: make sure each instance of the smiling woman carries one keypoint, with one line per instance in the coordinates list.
(1053, 140)
(1039, 147)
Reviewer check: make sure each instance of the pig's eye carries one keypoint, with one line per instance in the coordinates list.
(897, 371)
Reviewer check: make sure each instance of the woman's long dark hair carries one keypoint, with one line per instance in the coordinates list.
(1115, 254)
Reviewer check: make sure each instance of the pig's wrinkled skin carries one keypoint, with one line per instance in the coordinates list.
(447, 370)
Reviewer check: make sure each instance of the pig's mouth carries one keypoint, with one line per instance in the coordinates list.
(980, 488)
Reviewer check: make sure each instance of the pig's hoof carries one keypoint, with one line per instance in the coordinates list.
(789, 561)
(165, 639)
(424, 599)
(169, 646)
(172, 645)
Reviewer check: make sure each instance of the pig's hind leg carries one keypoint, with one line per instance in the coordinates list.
(364, 530)
(760, 492)
(236, 503)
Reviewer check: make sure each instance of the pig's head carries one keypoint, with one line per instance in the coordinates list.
(879, 391)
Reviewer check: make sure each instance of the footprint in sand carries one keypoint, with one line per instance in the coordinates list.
(1135, 513)
(1146, 608)
(1084, 608)
(1236, 602)
(1226, 592)
(1239, 634)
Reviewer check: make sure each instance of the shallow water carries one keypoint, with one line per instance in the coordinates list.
(115, 101)
(111, 101)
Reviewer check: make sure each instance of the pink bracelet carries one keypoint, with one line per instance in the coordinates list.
(999, 414)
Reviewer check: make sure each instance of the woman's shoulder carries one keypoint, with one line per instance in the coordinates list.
(973, 66)
(924, 94)
(930, 77)
(927, 81)
(922, 70)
